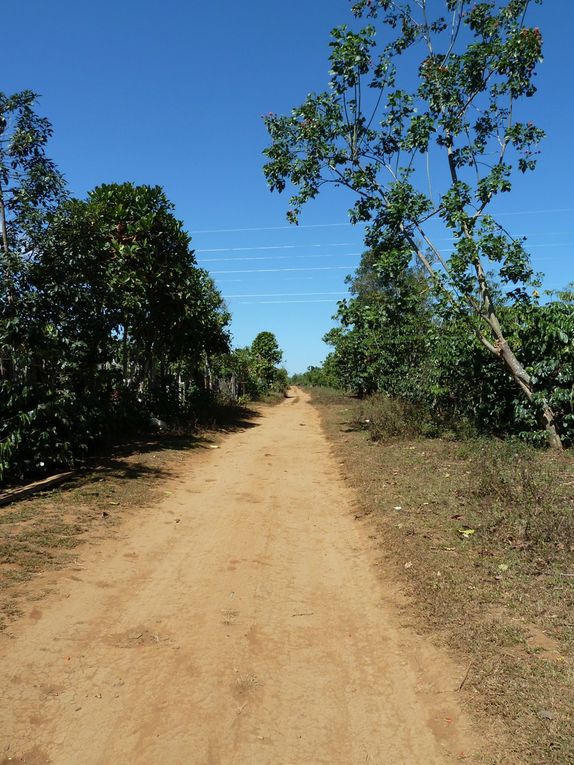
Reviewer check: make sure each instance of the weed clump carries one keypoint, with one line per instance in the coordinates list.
(384, 417)
(518, 491)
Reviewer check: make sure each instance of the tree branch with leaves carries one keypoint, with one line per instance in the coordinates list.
(418, 104)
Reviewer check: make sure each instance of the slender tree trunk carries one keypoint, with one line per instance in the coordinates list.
(7, 367)
(3, 225)
(548, 420)
(487, 312)
(125, 352)
(207, 377)
(502, 349)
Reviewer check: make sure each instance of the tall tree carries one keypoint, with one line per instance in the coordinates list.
(30, 186)
(118, 268)
(438, 93)
(267, 355)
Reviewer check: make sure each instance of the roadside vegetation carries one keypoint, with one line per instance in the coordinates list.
(396, 342)
(108, 327)
(480, 536)
(425, 120)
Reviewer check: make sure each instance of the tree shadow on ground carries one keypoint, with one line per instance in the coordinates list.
(120, 459)
(182, 436)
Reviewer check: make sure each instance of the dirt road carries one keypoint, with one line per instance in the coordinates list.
(241, 622)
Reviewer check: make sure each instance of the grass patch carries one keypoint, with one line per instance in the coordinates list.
(480, 535)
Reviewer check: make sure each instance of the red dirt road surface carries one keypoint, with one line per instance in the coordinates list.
(241, 622)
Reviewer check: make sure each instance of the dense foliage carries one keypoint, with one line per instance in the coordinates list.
(107, 324)
(253, 371)
(115, 322)
(397, 339)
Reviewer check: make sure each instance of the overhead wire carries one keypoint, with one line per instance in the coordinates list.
(282, 294)
(277, 270)
(338, 225)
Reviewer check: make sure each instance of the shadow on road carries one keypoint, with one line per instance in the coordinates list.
(181, 437)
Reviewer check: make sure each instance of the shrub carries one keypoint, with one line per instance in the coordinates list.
(520, 494)
(385, 417)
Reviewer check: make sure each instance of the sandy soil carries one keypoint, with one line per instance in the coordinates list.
(243, 621)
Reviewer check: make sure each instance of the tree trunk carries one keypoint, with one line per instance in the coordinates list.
(524, 382)
(7, 366)
(125, 354)
(4, 228)
(505, 352)
(488, 313)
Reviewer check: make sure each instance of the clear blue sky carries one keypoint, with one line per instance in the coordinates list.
(172, 93)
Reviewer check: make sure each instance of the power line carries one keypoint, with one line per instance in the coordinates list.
(274, 270)
(346, 254)
(272, 228)
(283, 302)
(210, 250)
(283, 257)
(273, 247)
(360, 223)
(283, 294)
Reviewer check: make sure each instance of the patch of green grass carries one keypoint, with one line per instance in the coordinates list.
(22, 513)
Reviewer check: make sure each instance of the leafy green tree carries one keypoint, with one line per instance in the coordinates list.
(123, 322)
(266, 355)
(436, 90)
(30, 186)
(382, 341)
(122, 264)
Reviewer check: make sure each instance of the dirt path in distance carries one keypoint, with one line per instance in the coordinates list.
(240, 623)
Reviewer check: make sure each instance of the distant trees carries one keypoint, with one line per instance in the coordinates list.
(317, 376)
(266, 356)
(253, 371)
(428, 90)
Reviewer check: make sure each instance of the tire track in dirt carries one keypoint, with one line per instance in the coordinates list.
(239, 623)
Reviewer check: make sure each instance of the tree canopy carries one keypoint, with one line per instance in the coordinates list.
(421, 122)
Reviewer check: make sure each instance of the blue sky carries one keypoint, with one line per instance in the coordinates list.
(172, 93)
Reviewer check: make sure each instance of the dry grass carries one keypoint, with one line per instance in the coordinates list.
(481, 538)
